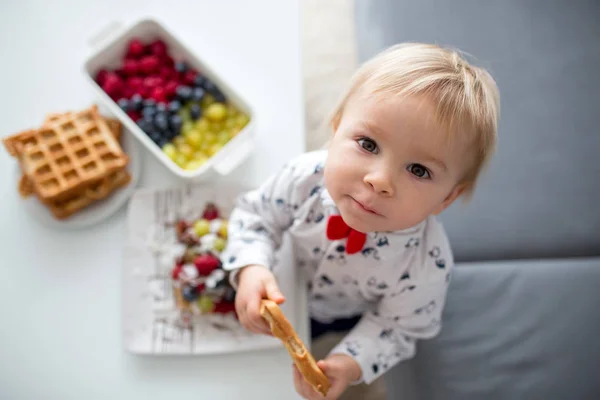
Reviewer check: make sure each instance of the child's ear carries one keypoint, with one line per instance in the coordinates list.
(453, 195)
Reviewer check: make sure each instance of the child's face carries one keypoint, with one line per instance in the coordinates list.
(389, 166)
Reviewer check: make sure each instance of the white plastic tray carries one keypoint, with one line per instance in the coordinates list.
(109, 54)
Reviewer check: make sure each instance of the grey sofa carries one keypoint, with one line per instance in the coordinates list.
(522, 319)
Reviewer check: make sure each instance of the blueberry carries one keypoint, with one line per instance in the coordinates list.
(148, 111)
(149, 103)
(176, 123)
(219, 97)
(209, 86)
(195, 111)
(156, 137)
(184, 93)
(199, 81)
(229, 294)
(162, 141)
(174, 106)
(124, 104)
(144, 125)
(169, 135)
(160, 114)
(190, 293)
(214, 91)
(180, 67)
(161, 107)
(148, 118)
(137, 102)
(197, 94)
(160, 120)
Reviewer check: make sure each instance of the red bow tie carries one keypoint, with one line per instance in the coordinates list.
(337, 229)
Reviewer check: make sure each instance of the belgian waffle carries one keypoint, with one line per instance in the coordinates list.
(85, 130)
(113, 124)
(97, 191)
(67, 155)
(25, 185)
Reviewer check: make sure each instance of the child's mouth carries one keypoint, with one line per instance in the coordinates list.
(364, 208)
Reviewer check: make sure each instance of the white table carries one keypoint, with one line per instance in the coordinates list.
(60, 290)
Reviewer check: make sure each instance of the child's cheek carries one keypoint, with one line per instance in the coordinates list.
(335, 170)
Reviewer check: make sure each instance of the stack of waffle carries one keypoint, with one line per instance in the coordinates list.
(71, 161)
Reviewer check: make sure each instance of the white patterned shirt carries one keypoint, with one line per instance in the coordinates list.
(398, 282)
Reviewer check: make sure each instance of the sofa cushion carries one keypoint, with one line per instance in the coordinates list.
(511, 330)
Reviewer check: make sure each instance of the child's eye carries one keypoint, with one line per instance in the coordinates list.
(369, 145)
(419, 171)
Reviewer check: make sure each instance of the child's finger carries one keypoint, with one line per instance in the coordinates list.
(298, 381)
(273, 292)
(262, 329)
(247, 322)
(303, 388)
(338, 386)
(323, 365)
(253, 308)
(255, 321)
(307, 390)
(259, 325)
(243, 317)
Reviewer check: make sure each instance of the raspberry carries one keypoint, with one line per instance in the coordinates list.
(206, 264)
(171, 88)
(101, 77)
(121, 73)
(158, 94)
(176, 271)
(149, 64)
(135, 48)
(113, 85)
(167, 73)
(131, 67)
(152, 82)
(224, 307)
(128, 92)
(134, 82)
(200, 288)
(167, 61)
(134, 115)
(210, 212)
(158, 48)
(141, 91)
(189, 77)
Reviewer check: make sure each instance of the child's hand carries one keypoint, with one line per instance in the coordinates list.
(255, 283)
(341, 370)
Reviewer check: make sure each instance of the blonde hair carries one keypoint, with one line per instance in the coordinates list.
(466, 97)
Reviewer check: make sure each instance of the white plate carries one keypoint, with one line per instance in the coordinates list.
(151, 323)
(100, 210)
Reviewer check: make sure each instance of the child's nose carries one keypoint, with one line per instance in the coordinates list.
(380, 182)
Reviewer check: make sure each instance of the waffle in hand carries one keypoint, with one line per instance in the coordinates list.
(284, 331)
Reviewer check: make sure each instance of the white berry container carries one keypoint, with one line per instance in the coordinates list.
(109, 48)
